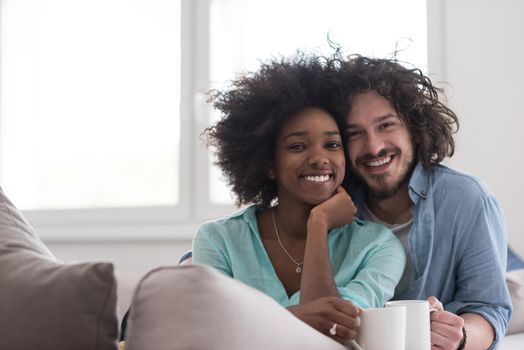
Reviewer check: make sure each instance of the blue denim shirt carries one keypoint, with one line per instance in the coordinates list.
(457, 244)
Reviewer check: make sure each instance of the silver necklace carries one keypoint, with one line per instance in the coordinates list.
(299, 265)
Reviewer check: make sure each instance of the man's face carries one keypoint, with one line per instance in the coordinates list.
(379, 144)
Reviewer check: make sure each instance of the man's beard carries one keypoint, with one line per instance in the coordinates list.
(385, 190)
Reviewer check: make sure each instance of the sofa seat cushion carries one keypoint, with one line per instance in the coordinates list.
(515, 281)
(512, 342)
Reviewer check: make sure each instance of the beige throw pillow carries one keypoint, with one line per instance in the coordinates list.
(515, 281)
(46, 304)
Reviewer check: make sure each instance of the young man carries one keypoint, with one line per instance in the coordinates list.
(451, 225)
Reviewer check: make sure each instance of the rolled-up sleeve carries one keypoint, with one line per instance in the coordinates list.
(209, 248)
(378, 272)
(481, 285)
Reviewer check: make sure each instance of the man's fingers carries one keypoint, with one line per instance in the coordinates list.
(446, 329)
(447, 318)
(439, 341)
(445, 336)
(434, 303)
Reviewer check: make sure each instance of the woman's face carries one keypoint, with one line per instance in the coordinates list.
(309, 159)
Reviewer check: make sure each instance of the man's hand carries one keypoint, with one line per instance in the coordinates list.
(446, 327)
(323, 313)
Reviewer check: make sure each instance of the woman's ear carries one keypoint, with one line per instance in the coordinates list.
(271, 172)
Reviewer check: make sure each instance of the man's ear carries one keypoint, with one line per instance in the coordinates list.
(271, 172)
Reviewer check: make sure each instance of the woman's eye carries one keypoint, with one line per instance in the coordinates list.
(334, 145)
(297, 147)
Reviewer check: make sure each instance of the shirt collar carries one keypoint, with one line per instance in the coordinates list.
(419, 183)
(418, 188)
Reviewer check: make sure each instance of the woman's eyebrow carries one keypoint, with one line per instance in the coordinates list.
(296, 133)
(303, 133)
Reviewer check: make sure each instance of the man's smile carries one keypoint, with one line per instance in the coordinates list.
(379, 162)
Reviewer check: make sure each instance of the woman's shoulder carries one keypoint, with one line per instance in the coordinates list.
(369, 231)
(369, 227)
(233, 223)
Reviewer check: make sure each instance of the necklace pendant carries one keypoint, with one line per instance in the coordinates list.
(298, 269)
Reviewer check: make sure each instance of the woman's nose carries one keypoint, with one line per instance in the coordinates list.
(318, 159)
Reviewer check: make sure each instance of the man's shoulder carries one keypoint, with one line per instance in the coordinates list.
(454, 182)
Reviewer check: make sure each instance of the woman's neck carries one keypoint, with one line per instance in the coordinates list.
(292, 219)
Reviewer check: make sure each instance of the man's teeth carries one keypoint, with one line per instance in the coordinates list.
(379, 162)
(321, 178)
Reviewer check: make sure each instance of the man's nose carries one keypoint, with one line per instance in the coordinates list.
(374, 143)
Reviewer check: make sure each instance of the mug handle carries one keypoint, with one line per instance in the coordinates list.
(355, 345)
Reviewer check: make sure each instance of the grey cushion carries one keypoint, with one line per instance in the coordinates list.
(195, 307)
(46, 304)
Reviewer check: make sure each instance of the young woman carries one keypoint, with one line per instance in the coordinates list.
(281, 149)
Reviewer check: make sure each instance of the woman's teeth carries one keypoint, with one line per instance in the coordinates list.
(321, 178)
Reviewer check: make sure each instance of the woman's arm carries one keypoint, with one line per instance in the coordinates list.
(208, 248)
(317, 278)
(320, 304)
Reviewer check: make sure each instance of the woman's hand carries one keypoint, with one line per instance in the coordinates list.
(339, 210)
(323, 313)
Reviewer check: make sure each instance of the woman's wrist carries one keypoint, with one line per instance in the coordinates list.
(317, 221)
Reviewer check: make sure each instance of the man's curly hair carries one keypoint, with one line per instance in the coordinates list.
(430, 123)
(254, 108)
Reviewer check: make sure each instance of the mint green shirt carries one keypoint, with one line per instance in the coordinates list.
(367, 259)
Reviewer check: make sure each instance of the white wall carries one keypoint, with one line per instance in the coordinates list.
(482, 57)
(478, 47)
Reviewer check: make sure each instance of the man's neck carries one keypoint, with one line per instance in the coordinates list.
(393, 210)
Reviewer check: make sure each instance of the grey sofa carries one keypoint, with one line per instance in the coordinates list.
(47, 304)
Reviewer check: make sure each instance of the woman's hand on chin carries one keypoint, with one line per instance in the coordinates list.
(339, 210)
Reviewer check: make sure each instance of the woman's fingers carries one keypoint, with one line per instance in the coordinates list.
(322, 314)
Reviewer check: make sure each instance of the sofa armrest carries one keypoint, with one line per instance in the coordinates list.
(195, 307)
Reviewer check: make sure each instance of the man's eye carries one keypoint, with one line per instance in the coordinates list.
(354, 134)
(386, 125)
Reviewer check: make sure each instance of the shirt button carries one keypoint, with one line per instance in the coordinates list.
(423, 193)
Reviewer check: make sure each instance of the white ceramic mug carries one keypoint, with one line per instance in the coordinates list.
(418, 333)
(382, 328)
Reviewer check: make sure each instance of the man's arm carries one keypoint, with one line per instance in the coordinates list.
(480, 333)
(481, 290)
